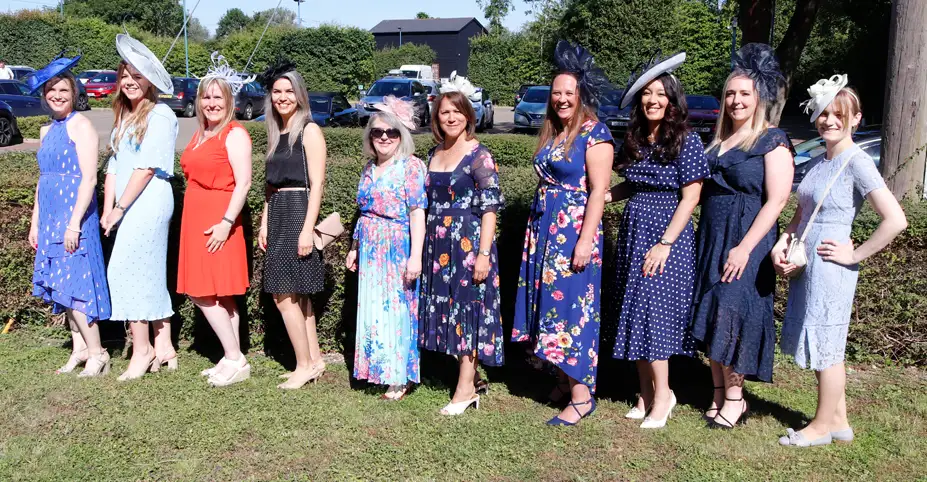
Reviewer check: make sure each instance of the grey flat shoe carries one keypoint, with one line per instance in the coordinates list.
(797, 439)
(843, 436)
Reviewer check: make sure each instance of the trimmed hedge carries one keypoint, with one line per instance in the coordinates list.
(30, 126)
(889, 319)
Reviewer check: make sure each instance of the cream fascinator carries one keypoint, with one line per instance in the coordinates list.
(220, 69)
(457, 83)
(822, 94)
(402, 109)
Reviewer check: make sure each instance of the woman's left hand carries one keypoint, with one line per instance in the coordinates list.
(655, 259)
(582, 253)
(843, 254)
(305, 243)
(413, 270)
(481, 269)
(112, 220)
(736, 263)
(218, 235)
(71, 240)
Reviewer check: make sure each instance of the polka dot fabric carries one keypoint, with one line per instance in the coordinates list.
(284, 270)
(67, 280)
(654, 311)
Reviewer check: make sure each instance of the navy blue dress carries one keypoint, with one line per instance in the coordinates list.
(654, 311)
(734, 320)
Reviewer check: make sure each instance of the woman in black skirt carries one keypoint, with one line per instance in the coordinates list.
(293, 268)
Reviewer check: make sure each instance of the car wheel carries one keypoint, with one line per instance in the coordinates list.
(82, 103)
(492, 120)
(189, 110)
(248, 113)
(6, 132)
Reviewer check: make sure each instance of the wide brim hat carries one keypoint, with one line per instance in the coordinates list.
(822, 93)
(650, 72)
(56, 67)
(145, 61)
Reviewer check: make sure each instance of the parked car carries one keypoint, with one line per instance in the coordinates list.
(9, 129)
(21, 71)
(485, 111)
(417, 72)
(86, 75)
(331, 109)
(610, 111)
(20, 99)
(432, 89)
(403, 88)
(183, 100)
(102, 84)
(249, 103)
(530, 112)
(520, 93)
(808, 153)
(703, 115)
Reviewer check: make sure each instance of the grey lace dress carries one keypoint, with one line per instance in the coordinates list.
(821, 298)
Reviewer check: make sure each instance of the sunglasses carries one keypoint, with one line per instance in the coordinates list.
(377, 133)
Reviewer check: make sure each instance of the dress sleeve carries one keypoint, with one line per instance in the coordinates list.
(111, 165)
(416, 198)
(598, 134)
(693, 164)
(866, 177)
(773, 138)
(157, 149)
(486, 178)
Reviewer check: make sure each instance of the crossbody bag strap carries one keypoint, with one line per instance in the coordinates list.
(302, 147)
(817, 208)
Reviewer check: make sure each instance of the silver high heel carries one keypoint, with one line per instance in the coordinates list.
(96, 366)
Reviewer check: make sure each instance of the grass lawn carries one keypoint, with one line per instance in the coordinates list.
(173, 426)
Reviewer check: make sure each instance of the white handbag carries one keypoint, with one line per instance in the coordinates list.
(797, 253)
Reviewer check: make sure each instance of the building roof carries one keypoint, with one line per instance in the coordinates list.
(424, 25)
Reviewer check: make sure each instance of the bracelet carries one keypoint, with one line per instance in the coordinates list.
(119, 206)
(72, 229)
(485, 253)
(228, 220)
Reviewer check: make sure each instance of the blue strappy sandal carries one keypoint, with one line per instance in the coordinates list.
(559, 422)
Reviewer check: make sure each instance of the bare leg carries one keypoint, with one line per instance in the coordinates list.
(79, 353)
(90, 333)
(717, 398)
(662, 396)
(734, 405)
(163, 346)
(467, 374)
(579, 393)
(295, 319)
(315, 353)
(831, 388)
(220, 319)
(142, 351)
(645, 375)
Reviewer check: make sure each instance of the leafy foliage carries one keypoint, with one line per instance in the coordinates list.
(407, 53)
(234, 20)
(30, 126)
(159, 17)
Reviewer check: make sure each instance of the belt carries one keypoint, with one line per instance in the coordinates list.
(454, 212)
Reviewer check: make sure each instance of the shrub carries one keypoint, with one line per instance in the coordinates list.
(393, 57)
(30, 126)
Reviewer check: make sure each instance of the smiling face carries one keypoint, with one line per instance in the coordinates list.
(387, 142)
(835, 125)
(654, 101)
(564, 97)
(59, 96)
(740, 100)
(133, 84)
(453, 122)
(214, 103)
(283, 97)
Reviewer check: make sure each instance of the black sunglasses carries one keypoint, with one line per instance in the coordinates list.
(377, 133)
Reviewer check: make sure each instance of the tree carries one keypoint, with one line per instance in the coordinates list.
(408, 53)
(196, 31)
(904, 146)
(755, 20)
(234, 20)
(495, 11)
(282, 18)
(422, 15)
(160, 17)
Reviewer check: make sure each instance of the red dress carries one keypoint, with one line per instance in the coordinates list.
(209, 190)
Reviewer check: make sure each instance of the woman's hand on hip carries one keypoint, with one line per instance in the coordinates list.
(842, 254)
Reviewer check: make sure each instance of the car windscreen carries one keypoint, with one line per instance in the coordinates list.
(101, 78)
(179, 85)
(87, 75)
(610, 98)
(319, 104)
(536, 95)
(702, 102)
(399, 89)
(410, 73)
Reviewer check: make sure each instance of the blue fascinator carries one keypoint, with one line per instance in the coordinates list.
(60, 64)
(758, 61)
(646, 72)
(578, 61)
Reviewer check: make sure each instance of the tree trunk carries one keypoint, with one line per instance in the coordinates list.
(755, 20)
(790, 49)
(904, 131)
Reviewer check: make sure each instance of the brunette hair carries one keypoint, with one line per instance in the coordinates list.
(847, 104)
(69, 78)
(462, 103)
(229, 99)
(673, 127)
(553, 126)
(122, 108)
(758, 125)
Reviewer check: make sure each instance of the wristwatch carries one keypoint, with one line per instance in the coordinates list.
(119, 206)
(485, 253)
(665, 242)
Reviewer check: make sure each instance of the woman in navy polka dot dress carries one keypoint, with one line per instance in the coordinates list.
(656, 240)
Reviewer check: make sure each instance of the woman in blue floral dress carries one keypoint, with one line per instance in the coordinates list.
(557, 306)
(460, 282)
(387, 253)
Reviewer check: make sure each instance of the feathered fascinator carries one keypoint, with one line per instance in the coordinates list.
(647, 71)
(758, 61)
(220, 69)
(274, 72)
(822, 94)
(578, 61)
(457, 83)
(402, 109)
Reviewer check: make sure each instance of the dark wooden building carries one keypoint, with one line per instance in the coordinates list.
(448, 37)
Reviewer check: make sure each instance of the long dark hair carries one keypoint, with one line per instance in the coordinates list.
(673, 127)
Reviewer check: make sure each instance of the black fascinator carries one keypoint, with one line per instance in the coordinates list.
(579, 62)
(647, 71)
(275, 71)
(758, 61)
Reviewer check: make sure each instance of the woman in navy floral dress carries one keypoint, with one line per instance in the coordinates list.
(557, 306)
(460, 279)
(656, 241)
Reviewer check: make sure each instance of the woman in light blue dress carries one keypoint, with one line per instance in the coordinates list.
(138, 205)
(821, 296)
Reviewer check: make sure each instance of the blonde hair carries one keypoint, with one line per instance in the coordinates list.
(137, 119)
(758, 124)
(553, 126)
(229, 99)
(406, 144)
(298, 121)
(848, 105)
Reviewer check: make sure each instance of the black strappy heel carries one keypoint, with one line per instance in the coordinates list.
(716, 409)
(742, 420)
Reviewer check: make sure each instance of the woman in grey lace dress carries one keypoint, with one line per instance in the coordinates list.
(821, 297)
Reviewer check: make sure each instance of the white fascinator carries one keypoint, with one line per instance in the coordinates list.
(822, 94)
(220, 69)
(456, 83)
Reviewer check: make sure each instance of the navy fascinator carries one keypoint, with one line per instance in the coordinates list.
(758, 61)
(578, 61)
(274, 71)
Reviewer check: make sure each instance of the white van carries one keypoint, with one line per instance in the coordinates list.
(418, 72)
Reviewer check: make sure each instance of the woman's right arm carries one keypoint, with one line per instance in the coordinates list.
(34, 225)
(262, 233)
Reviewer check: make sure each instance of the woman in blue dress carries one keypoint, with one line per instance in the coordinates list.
(821, 296)
(138, 204)
(459, 307)
(69, 271)
(750, 183)
(656, 241)
(557, 305)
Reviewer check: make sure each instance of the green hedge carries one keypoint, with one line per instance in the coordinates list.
(30, 126)
(889, 320)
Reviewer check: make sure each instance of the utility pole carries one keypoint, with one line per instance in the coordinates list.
(400, 36)
(299, 14)
(61, 8)
(186, 45)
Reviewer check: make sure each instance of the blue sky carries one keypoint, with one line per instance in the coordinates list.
(358, 13)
